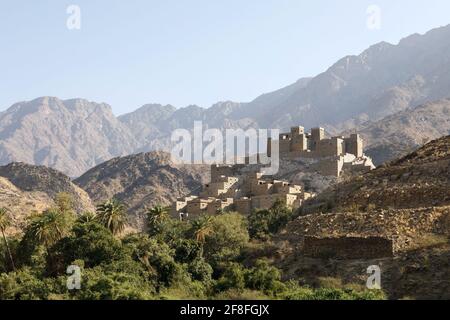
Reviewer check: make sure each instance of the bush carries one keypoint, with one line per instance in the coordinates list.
(22, 285)
(233, 277)
(155, 256)
(295, 292)
(229, 236)
(264, 223)
(186, 250)
(200, 270)
(264, 277)
(100, 284)
(90, 242)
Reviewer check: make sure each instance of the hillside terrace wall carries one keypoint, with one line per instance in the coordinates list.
(348, 248)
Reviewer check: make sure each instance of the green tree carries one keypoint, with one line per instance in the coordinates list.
(233, 277)
(264, 277)
(64, 201)
(229, 237)
(186, 250)
(157, 218)
(49, 227)
(87, 217)
(200, 270)
(5, 222)
(263, 223)
(156, 257)
(89, 242)
(112, 215)
(201, 229)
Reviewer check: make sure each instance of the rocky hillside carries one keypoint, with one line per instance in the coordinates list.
(25, 189)
(405, 131)
(71, 136)
(381, 81)
(142, 181)
(406, 201)
(75, 135)
(421, 179)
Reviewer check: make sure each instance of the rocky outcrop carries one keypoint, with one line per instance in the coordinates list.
(68, 135)
(420, 179)
(397, 135)
(25, 189)
(142, 181)
(75, 135)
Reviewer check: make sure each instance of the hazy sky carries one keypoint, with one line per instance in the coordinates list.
(129, 53)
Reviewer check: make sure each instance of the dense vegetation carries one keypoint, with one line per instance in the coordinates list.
(207, 258)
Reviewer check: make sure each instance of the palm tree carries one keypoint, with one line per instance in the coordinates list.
(49, 227)
(112, 216)
(157, 214)
(87, 217)
(156, 217)
(5, 222)
(202, 228)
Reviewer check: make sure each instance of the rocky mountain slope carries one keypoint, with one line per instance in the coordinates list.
(141, 181)
(75, 135)
(383, 80)
(407, 201)
(405, 131)
(70, 136)
(25, 189)
(420, 179)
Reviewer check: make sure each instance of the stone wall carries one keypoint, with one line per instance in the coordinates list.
(345, 248)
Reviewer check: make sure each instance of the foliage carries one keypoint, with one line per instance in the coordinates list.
(157, 217)
(264, 277)
(200, 270)
(49, 227)
(228, 238)
(5, 222)
(196, 259)
(232, 278)
(112, 215)
(90, 242)
(264, 223)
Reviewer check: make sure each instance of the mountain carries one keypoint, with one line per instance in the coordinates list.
(25, 189)
(402, 132)
(405, 203)
(383, 80)
(68, 135)
(420, 179)
(357, 91)
(141, 181)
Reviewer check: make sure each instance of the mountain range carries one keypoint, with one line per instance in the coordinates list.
(361, 92)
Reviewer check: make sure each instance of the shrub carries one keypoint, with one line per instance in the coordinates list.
(90, 242)
(229, 236)
(200, 270)
(264, 277)
(233, 277)
(264, 223)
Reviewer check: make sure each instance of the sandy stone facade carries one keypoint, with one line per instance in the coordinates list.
(230, 189)
(242, 193)
(335, 155)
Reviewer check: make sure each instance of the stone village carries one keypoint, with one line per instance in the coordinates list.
(233, 188)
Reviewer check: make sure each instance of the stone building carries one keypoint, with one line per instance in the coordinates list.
(242, 193)
(334, 155)
(231, 189)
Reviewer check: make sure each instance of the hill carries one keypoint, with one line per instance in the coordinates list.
(25, 189)
(405, 131)
(68, 135)
(141, 181)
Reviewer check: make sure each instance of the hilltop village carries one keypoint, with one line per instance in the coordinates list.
(238, 188)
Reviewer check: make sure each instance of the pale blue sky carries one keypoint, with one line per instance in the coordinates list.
(129, 53)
